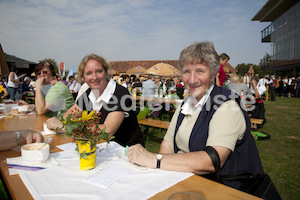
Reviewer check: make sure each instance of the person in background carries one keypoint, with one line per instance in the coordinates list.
(149, 87)
(137, 84)
(73, 86)
(221, 75)
(238, 86)
(11, 139)
(258, 89)
(246, 79)
(25, 85)
(58, 99)
(273, 87)
(125, 81)
(109, 98)
(3, 90)
(297, 87)
(64, 80)
(201, 122)
(13, 84)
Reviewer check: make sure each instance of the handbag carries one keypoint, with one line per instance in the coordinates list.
(259, 185)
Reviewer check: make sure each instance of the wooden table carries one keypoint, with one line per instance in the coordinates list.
(196, 184)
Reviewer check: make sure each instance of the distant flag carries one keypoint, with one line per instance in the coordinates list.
(64, 73)
(61, 68)
(71, 72)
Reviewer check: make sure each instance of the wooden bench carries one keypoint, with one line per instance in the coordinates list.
(255, 121)
(153, 123)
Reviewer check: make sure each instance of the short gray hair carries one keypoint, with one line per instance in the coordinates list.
(27, 79)
(200, 53)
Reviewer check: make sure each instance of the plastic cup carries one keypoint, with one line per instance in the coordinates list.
(8, 109)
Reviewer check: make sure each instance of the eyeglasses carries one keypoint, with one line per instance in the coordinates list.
(44, 72)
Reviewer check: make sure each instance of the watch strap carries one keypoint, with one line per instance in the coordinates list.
(158, 164)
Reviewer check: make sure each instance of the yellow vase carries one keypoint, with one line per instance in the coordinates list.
(88, 162)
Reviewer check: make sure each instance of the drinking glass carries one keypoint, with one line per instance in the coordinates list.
(186, 196)
(8, 109)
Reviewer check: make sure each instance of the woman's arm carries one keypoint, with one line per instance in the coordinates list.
(21, 76)
(166, 147)
(5, 93)
(217, 79)
(196, 162)
(40, 103)
(113, 122)
(54, 122)
(8, 140)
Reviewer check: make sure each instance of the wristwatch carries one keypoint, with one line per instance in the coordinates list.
(18, 137)
(158, 157)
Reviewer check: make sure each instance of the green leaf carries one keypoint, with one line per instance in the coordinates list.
(83, 155)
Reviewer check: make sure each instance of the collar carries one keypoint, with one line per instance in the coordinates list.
(190, 108)
(104, 97)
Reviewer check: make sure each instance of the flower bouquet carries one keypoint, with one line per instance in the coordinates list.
(85, 129)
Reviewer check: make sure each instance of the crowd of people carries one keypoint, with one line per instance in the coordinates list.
(198, 123)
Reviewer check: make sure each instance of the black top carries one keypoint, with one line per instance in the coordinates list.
(129, 133)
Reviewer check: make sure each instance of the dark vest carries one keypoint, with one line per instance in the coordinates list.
(245, 155)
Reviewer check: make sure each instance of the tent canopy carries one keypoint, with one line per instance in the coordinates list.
(136, 70)
(163, 69)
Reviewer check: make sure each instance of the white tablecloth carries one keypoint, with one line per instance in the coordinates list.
(66, 180)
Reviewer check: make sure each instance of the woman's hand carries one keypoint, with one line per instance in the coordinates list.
(137, 154)
(22, 102)
(39, 82)
(54, 123)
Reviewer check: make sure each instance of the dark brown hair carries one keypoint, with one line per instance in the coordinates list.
(43, 64)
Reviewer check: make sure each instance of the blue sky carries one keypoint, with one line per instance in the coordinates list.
(121, 30)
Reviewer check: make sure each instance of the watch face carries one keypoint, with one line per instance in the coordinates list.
(159, 156)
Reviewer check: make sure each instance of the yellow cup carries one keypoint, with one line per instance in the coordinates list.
(89, 162)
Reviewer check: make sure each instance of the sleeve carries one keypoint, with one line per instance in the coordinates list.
(56, 96)
(171, 130)
(226, 126)
(220, 69)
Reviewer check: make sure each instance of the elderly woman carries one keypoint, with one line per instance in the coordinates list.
(207, 118)
(51, 97)
(104, 95)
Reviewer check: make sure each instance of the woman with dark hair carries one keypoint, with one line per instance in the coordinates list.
(13, 84)
(58, 99)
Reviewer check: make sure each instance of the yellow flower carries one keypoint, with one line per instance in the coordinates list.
(86, 116)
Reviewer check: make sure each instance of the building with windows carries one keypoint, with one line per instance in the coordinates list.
(283, 33)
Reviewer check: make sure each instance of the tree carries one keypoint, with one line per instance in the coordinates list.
(243, 68)
(53, 62)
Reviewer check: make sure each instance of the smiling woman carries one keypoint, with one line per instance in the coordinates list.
(209, 118)
(104, 95)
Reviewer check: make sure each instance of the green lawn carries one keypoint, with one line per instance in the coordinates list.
(279, 155)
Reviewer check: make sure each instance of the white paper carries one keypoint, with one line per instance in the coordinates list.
(66, 181)
(67, 147)
(107, 176)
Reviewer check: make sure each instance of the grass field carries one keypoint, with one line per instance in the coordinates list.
(281, 154)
